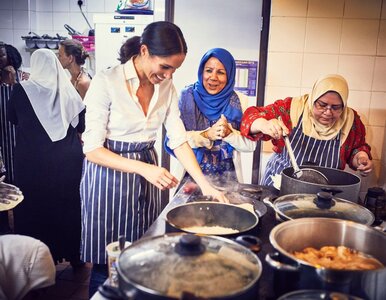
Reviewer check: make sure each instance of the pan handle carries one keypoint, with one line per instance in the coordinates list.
(272, 260)
(114, 293)
(251, 242)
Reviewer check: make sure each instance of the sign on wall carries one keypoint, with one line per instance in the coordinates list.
(246, 77)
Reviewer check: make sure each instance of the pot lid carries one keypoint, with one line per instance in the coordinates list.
(323, 204)
(317, 295)
(175, 265)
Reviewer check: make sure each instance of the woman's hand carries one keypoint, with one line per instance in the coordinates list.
(8, 75)
(159, 176)
(211, 191)
(219, 130)
(274, 128)
(363, 164)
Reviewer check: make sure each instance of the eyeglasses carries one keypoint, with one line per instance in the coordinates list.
(322, 106)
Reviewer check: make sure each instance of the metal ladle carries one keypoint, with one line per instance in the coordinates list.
(305, 174)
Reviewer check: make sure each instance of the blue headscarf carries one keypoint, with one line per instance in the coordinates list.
(212, 106)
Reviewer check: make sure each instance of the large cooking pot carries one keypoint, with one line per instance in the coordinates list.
(323, 204)
(347, 184)
(295, 235)
(187, 266)
(221, 217)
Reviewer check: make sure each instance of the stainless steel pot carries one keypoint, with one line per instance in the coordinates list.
(347, 184)
(323, 204)
(295, 235)
(186, 266)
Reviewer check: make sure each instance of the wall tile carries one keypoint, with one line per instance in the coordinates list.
(323, 35)
(273, 93)
(293, 8)
(287, 34)
(110, 6)
(6, 36)
(325, 8)
(381, 48)
(59, 19)
(360, 101)
(18, 42)
(44, 22)
(317, 65)
(359, 37)
(78, 22)
(6, 5)
(61, 6)
(374, 136)
(369, 9)
(6, 19)
(284, 69)
(358, 71)
(20, 4)
(377, 109)
(33, 21)
(20, 19)
(44, 5)
(379, 82)
(97, 6)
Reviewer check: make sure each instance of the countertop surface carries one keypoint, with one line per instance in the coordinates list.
(264, 226)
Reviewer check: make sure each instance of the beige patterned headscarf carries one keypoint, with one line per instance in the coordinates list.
(305, 104)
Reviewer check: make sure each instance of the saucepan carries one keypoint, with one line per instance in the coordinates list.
(292, 273)
(347, 184)
(186, 266)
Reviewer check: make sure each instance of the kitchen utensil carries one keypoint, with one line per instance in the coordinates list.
(323, 204)
(212, 214)
(295, 235)
(70, 30)
(303, 174)
(175, 265)
(349, 184)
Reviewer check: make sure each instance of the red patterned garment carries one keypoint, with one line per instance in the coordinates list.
(354, 143)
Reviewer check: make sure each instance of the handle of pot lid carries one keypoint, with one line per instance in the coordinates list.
(324, 200)
(272, 260)
(189, 245)
(113, 293)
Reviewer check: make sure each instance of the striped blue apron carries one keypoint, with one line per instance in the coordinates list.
(307, 150)
(7, 134)
(116, 203)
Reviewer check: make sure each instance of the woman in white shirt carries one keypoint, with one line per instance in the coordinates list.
(126, 105)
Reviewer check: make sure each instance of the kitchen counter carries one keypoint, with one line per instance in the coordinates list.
(266, 223)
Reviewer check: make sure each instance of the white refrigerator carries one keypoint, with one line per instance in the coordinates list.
(111, 31)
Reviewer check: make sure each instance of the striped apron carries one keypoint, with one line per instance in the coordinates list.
(307, 150)
(116, 203)
(7, 135)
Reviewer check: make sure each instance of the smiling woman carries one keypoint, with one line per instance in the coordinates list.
(126, 105)
(322, 129)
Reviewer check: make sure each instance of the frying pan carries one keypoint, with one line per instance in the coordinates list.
(208, 213)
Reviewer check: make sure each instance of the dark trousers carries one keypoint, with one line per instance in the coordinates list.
(4, 223)
(99, 274)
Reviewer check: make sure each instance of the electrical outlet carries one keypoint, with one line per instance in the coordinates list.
(81, 3)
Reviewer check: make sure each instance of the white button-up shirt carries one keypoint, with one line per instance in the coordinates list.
(114, 112)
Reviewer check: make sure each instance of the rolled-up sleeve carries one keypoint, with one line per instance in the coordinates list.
(97, 103)
(175, 129)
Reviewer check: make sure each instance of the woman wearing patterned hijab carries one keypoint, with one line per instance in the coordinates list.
(322, 129)
(211, 111)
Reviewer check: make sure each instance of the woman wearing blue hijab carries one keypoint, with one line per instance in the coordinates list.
(211, 111)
